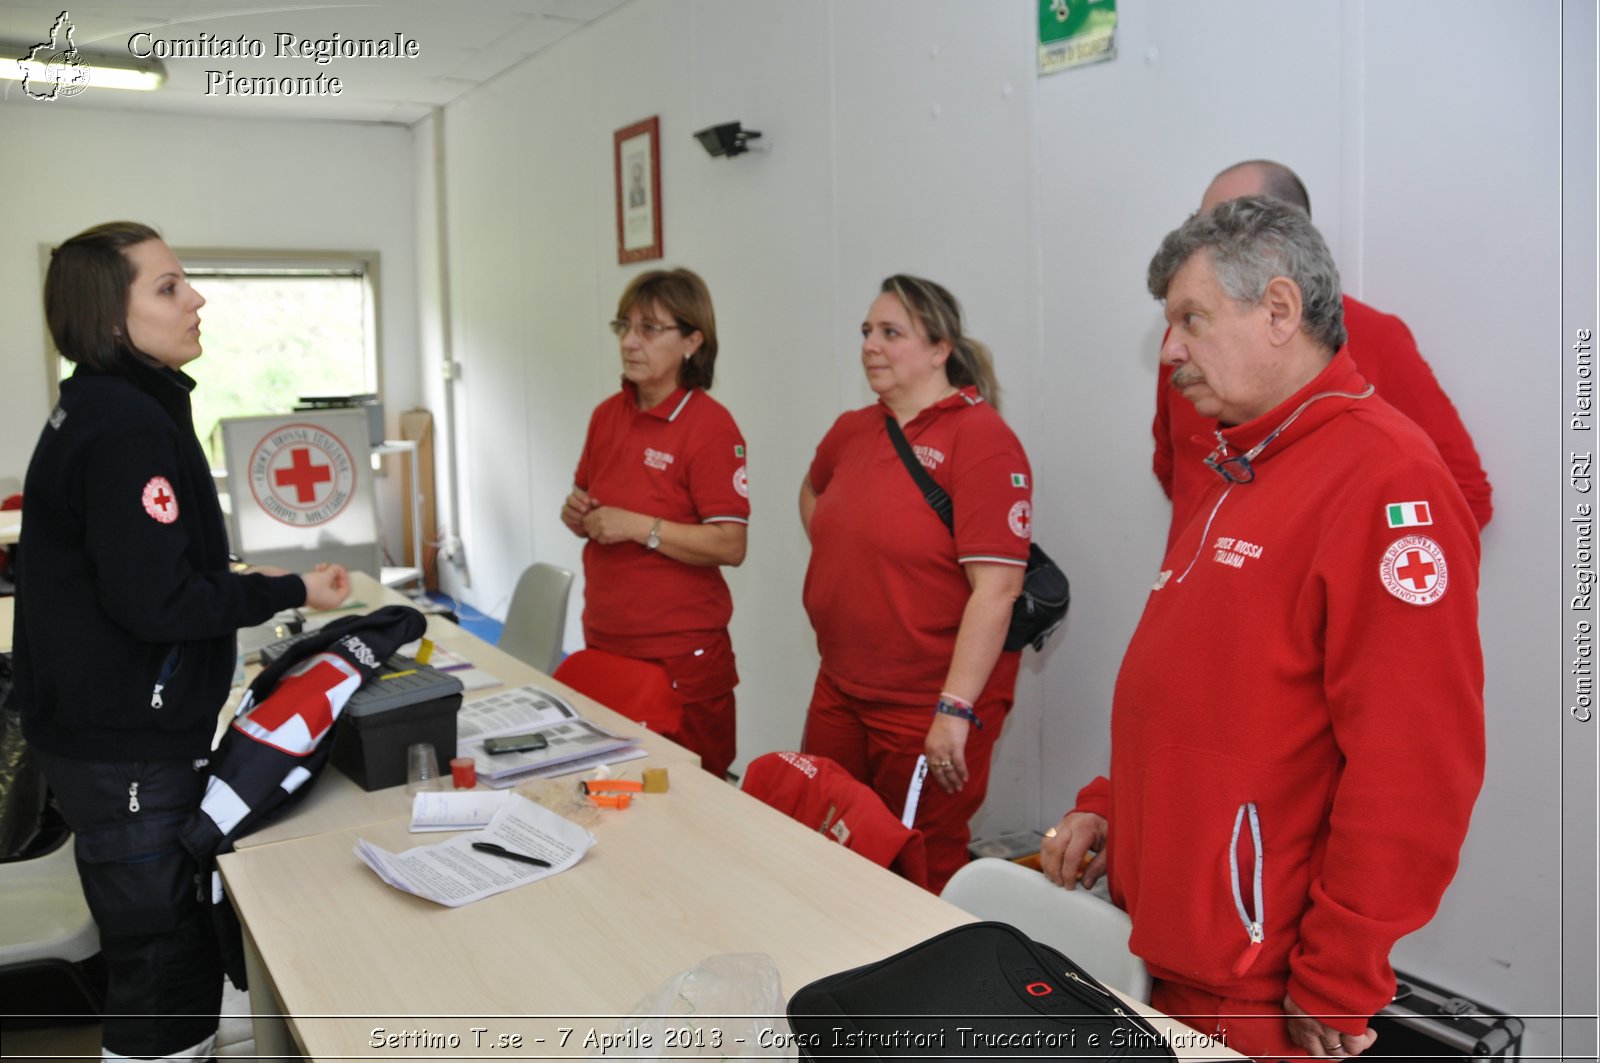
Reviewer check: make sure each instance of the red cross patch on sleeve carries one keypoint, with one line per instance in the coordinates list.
(1413, 569)
(159, 500)
(1021, 519)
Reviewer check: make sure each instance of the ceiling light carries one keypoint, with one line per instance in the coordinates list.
(69, 73)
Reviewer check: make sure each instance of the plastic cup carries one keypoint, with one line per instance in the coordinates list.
(422, 768)
(464, 773)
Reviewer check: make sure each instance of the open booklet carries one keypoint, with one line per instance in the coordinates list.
(527, 710)
(453, 873)
(435, 810)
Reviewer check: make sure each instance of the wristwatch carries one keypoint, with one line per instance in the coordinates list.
(653, 540)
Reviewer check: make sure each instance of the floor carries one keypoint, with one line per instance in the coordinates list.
(235, 1040)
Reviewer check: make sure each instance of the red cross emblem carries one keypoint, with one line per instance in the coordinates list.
(302, 706)
(1413, 569)
(1417, 570)
(159, 501)
(302, 475)
(1021, 519)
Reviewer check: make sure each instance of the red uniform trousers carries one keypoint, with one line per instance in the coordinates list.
(705, 680)
(879, 742)
(708, 729)
(1255, 1028)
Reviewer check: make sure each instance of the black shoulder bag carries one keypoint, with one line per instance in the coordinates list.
(1042, 605)
(980, 991)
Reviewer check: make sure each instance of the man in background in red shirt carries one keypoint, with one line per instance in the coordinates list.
(1384, 351)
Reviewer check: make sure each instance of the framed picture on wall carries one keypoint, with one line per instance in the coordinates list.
(636, 152)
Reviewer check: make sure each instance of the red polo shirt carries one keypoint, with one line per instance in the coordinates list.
(681, 460)
(885, 589)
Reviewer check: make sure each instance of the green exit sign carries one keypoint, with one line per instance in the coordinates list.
(1075, 32)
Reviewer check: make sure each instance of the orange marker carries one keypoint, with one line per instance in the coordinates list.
(612, 786)
(617, 801)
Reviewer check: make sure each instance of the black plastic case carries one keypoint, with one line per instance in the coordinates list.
(1426, 1022)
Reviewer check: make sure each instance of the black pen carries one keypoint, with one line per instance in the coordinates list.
(500, 850)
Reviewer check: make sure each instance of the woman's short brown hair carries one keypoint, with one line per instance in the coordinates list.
(86, 294)
(681, 294)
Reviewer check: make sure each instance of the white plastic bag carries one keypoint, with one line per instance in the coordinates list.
(728, 1006)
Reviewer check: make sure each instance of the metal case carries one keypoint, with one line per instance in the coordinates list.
(1427, 1022)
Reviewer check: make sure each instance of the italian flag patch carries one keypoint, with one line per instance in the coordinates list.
(1408, 514)
(738, 450)
(1018, 480)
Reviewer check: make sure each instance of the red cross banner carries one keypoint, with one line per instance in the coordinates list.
(302, 475)
(301, 482)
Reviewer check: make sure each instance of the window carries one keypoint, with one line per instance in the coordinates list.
(276, 326)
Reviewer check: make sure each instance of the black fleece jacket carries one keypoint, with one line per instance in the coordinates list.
(126, 612)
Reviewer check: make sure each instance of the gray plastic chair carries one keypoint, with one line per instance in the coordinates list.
(44, 921)
(537, 617)
(1090, 931)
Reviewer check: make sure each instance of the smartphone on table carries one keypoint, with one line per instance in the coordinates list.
(514, 743)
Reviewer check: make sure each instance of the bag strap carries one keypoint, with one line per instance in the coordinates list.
(935, 495)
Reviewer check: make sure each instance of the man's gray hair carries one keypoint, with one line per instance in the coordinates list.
(1251, 241)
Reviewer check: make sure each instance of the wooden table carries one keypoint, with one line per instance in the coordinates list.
(344, 967)
(10, 526)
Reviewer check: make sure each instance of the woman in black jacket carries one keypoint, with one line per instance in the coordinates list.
(126, 616)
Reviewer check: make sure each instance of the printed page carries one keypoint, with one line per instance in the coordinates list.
(454, 810)
(514, 711)
(567, 741)
(452, 873)
(566, 767)
(472, 677)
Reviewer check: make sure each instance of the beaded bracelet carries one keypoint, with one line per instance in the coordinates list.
(954, 707)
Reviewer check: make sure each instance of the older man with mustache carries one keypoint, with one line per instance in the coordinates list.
(1297, 727)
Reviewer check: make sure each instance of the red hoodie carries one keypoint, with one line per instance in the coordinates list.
(1308, 663)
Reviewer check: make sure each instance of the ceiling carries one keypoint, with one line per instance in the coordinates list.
(460, 44)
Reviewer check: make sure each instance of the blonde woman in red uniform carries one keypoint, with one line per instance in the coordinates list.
(662, 497)
(911, 619)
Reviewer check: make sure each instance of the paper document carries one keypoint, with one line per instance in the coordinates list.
(454, 809)
(522, 710)
(452, 873)
(452, 663)
(567, 767)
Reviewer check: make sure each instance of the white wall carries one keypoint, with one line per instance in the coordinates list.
(203, 183)
(914, 136)
(1131, 145)
(792, 243)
